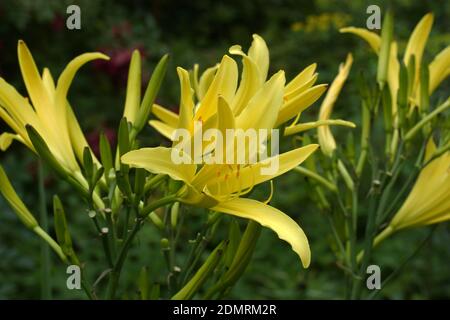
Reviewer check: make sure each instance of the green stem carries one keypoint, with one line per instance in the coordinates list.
(402, 265)
(46, 289)
(310, 174)
(115, 273)
(157, 204)
(412, 132)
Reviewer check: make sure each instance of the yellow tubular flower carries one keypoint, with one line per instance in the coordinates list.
(46, 110)
(439, 68)
(219, 186)
(222, 80)
(326, 140)
(429, 200)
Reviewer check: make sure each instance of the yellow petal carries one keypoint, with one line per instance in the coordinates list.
(439, 68)
(372, 38)
(416, 43)
(293, 107)
(16, 111)
(225, 117)
(206, 79)
(163, 128)
(62, 88)
(251, 81)
(238, 178)
(7, 138)
(49, 84)
(262, 110)
(133, 97)
(314, 124)
(159, 161)
(301, 79)
(77, 137)
(259, 53)
(326, 139)
(33, 82)
(186, 102)
(224, 84)
(286, 228)
(302, 87)
(165, 115)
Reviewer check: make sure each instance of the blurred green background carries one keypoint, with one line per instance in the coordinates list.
(298, 33)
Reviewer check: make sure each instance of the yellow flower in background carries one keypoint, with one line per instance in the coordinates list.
(46, 110)
(439, 68)
(326, 139)
(219, 186)
(245, 98)
(429, 200)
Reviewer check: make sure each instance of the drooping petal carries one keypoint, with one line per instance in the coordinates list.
(159, 161)
(285, 227)
(372, 38)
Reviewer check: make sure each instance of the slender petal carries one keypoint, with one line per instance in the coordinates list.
(133, 97)
(224, 84)
(186, 102)
(167, 116)
(416, 43)
(298, 104)
(159, 160)
(286, 228)
(262, 110)
(372, 38)
(439, 68)
(259, 53)
(326, 140)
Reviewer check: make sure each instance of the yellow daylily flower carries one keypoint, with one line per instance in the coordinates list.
(439, 68)
(219, 186)
(326, 140)
(244, 98)
(429, 200)
(46, 110)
